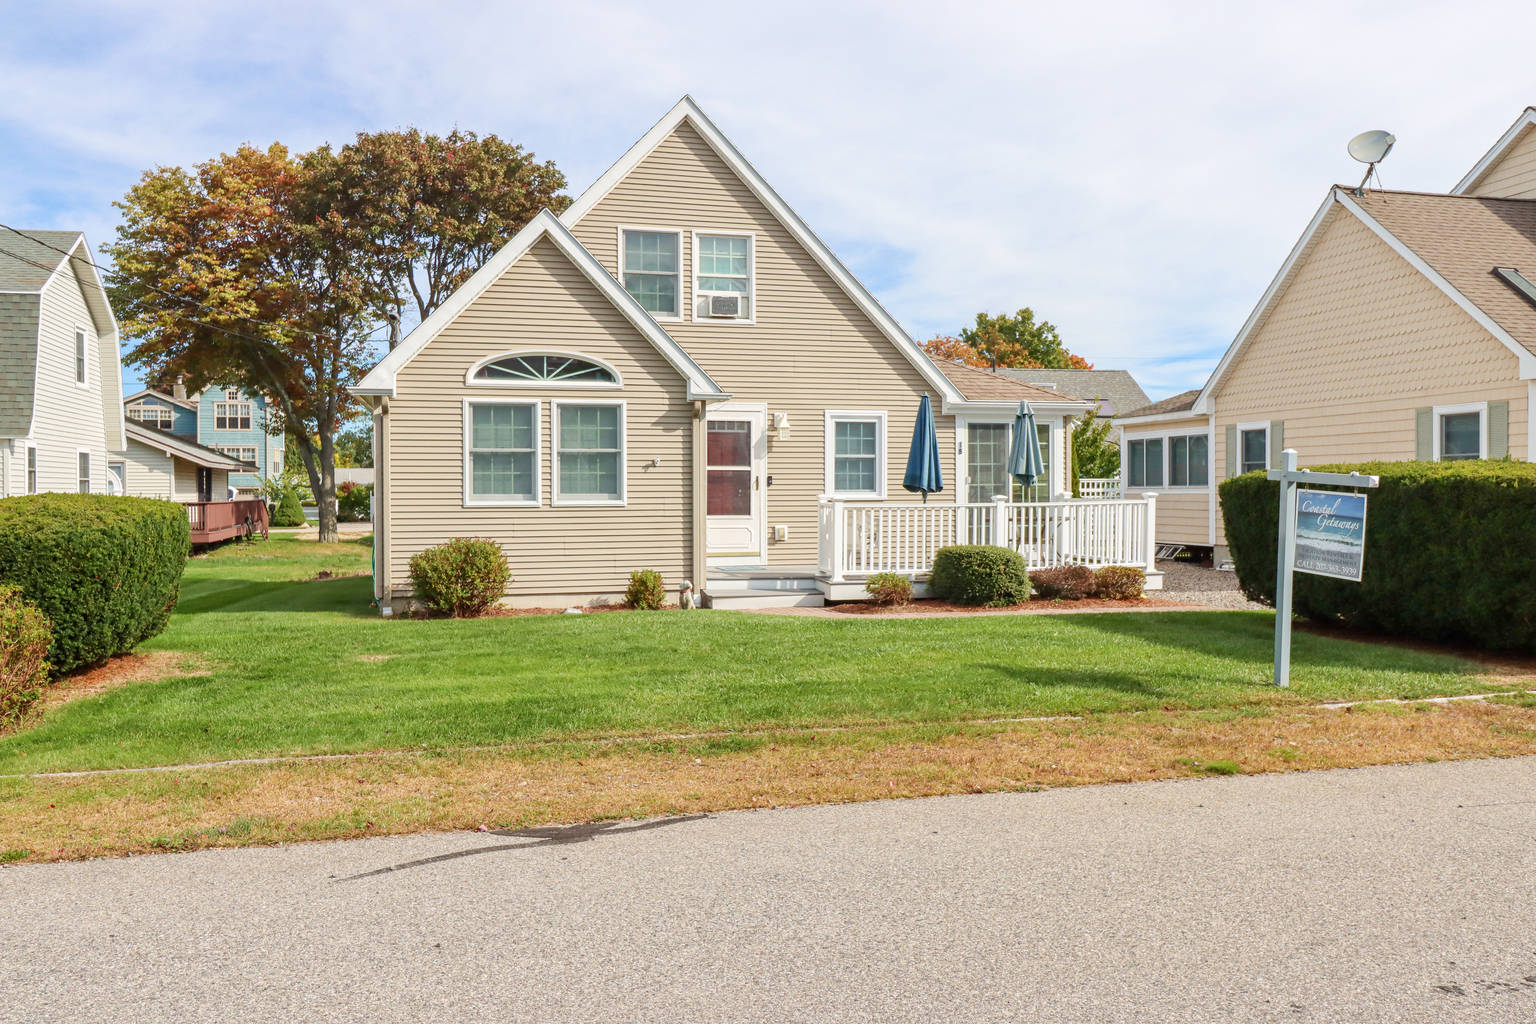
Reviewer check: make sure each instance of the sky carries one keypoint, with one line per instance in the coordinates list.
(1134, 172)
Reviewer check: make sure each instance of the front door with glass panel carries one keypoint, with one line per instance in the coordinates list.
(736, 451)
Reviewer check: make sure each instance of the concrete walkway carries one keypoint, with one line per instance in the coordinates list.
(1393, 894)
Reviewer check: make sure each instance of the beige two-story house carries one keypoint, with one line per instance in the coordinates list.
(1401, 326)
(677, 374)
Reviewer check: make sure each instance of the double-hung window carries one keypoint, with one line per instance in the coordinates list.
(232, 415)
(79, 355)
(589, 453)
(856, 454)
(650, 265)
(85, 473)
(722, 276)
(31, 470)
(501, 441)
(1145, 458)
(1189, 460)
(1252, 449)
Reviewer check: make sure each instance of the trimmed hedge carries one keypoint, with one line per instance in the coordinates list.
(979, 574)
(1450, 552)
(106, 571)
(288, 512)
(462, 578)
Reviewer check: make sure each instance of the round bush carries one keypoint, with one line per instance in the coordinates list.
(645, 590)
(1450, 552)
(289, 511)
(106, 571)
(889, 588)
(25, 637)
(1120, 583)
(462, 578)
(978, 574)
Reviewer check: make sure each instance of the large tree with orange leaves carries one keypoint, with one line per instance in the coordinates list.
(1017, 340)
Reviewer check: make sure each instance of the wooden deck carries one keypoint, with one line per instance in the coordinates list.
(213, 521)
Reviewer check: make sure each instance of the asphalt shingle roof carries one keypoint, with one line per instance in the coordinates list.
(1116, 391)
(979, 385)
(1181, 402)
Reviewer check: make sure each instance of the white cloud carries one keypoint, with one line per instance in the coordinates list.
(1134, 172)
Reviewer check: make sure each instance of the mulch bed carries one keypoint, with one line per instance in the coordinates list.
(931, 606)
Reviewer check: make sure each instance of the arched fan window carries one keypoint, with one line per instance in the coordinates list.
(545, 368)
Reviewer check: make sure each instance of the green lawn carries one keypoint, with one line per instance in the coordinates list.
(306, 666)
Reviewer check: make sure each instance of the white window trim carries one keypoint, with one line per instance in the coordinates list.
(31, 469)
(90, 471)
(246, 403)
(751, 237)
(168, 417)
(469, 500)
(682, 297)
(1441, 411)
(559, 500)
(80, 357)
(1243, 428)
(234, 451)
(829, 445)
(1166, 436)
(618, 378)
(1055, 454)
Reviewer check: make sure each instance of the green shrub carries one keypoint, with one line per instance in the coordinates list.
(25, 637)
(289, 511)
(462, 578)
(1450, 552)
(1119, 583)
(354, 502)
(645, 590)
(106, 571)
(889, 588)
(1063, 582)
(979, 574)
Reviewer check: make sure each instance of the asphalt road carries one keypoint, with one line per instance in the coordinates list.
(1395, 894)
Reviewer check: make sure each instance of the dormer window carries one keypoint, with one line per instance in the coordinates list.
(722, 282)
(650, 265)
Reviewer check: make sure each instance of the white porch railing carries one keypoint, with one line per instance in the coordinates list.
(861, 538)
(1098, 486)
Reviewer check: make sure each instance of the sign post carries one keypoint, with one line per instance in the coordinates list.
(1331, 539)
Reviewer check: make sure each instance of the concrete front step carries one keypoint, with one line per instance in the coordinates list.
(741, 599)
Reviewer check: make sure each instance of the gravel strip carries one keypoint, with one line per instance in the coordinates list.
(1193, 584)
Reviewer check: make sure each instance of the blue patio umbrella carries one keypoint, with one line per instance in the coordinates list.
(1024, 462)
(924, 474)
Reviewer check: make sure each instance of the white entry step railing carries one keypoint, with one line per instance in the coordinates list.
(860, 538)
(1098, 486)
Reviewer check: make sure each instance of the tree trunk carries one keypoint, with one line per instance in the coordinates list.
(325, 492)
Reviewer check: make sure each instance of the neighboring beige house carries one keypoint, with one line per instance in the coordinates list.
(160, 464)
(1402, 326)
(60, 378)
(677, 374)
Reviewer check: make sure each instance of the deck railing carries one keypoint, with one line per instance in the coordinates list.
(1098, 486)
(212, 521)
(862, 538)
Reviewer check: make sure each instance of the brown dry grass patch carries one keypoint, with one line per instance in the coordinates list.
(66, 818)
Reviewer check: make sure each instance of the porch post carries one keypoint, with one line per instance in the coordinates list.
(999, 520)
(836, 536)
(699, 534)
(1151, 538)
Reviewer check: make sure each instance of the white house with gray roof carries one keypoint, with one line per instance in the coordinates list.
(61, 412)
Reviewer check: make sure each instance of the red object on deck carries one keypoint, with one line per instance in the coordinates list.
(213, 521)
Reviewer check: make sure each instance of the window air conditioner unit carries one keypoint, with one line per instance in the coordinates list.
(725, 306)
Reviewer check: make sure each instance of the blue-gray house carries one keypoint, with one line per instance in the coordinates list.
(225, 419)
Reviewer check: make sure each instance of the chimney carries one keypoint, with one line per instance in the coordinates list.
(179, 389)
(394, 330)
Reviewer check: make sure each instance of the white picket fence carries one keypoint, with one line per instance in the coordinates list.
(860, 538)
(1098, 486)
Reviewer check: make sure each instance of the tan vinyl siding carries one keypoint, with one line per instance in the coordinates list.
(1514, 176)
(810, 350)
(66, 416)
(149, 472)
(1354, 346)
(542, 302)
(1183, 513)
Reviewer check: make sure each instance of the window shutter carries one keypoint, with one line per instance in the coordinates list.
(1231, 450)
(1423, 425)
(1498, 430)
(1276, 442)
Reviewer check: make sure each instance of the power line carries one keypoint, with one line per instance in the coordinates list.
(102, 271)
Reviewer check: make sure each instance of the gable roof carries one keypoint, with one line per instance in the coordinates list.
(1114, 388)
(1453, 241)
(29, 262)
(175, 444)
(381, 379)
(1525, 122)
(981, 385)
(152, 393)
(687, 110)
(1184, 401)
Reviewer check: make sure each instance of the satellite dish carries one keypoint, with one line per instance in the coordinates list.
(1371, 147)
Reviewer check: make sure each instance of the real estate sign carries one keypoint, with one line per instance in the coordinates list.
(1330, 533)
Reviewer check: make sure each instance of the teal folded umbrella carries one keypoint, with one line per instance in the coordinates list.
(1024, 462)
(924, 474)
